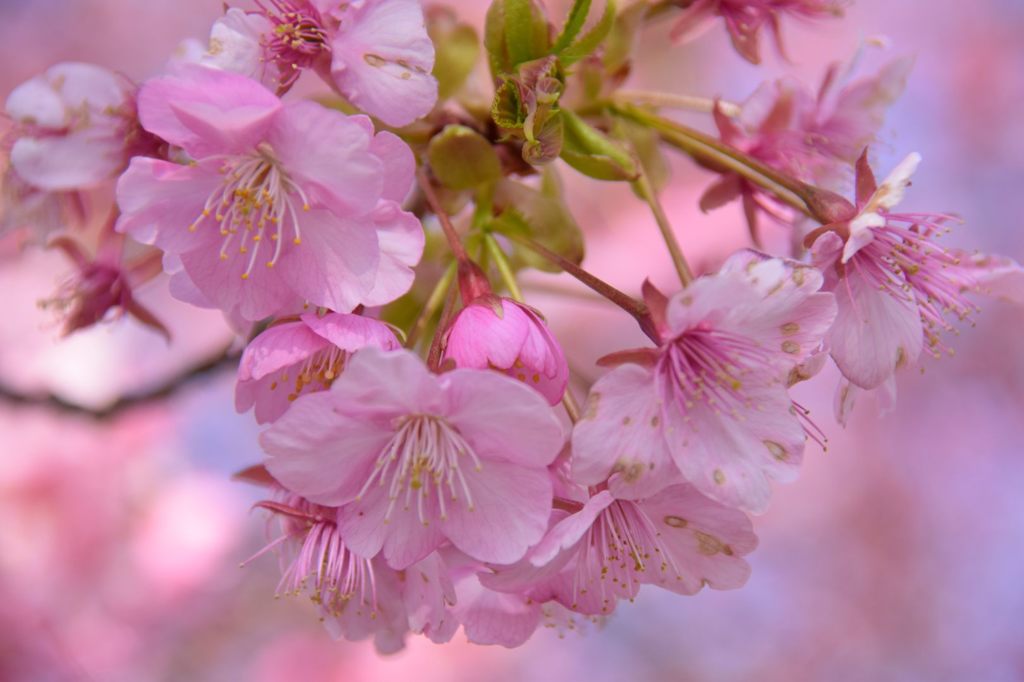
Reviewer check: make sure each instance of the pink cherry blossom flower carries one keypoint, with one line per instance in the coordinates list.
(415, 460)
(376, 53)
(358, 597)
(744, 19)
(101, 286)
(499, 333)
(678, 539)
(282, 201)
(894, 285)
(75, 127)
(815, 138)
(711, 401)
(307, 355)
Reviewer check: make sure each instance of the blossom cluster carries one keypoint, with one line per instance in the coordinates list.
(430, 470)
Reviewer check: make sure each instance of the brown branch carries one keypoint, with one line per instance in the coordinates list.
(220, 361)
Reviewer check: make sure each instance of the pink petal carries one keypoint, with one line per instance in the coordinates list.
(351, 332)
(622, 433)
(570, 530)
(403, 538)
(278, 347)
(874, 331)
(393, 383)
(731, 458)
(207, 111)
(401, 239)
(382, 59)
(501, 418)
(329, 156)
(321, 453)
(81, 159)
(399, 165)
(705, 540)
(160, 200)
(479, 338)
(490, 617)
(511, 506)
(336, 264)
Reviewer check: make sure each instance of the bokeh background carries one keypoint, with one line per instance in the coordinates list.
(898, 555)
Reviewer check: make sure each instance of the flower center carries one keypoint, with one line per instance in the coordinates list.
(255, 200)
(903, 261)
(297, 39)
(423, 464)
(705, 365)
(316, 373)
(322, 565)
(623, 543)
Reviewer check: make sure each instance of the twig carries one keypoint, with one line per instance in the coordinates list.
(223, 360)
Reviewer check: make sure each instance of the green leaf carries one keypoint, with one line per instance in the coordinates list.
(593, 153)
(592, 39)
(507, 108)
(461, 158)
(526, 31)
(457, 48)
(573, 25)
(618, 49)
(540, 215)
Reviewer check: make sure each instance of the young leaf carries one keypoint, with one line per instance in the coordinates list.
(592, 39)
(573, 25)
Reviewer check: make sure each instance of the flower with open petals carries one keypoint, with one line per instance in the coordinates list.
(711, 402)
(678, 539)
(745, 19)
(376, 53)
(813, 137)
(295, 358)
(282, 203)
(416, 460)
(499, 333)
(894, 285)
(75, 127)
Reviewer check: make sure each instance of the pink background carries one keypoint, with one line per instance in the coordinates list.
(896, 556)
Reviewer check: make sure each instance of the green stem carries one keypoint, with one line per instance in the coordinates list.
(504, 268)
(434, 303)
(644, 188)
(707, 149)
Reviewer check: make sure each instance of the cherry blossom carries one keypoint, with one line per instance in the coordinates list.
(415, 459)
(711, 402)
(302, 356)
(281, 203)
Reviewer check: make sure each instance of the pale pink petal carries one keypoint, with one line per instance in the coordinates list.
(874, 332)
(329, 156)
(81, 159)
(320, 453)
(278, 347)
(502, 419)
(351, 332)
(490, 617)
(399, 165)
(335, 266)
(235, 43)
(891, 191)
(511, 506)
(732, 458)
(705, 541)
(382, 59)
(570, 530)
(160, 200)
(374, 524)
(395, 381)
(401, 239)
(621, 433)
(428, 594)
(207, 111)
